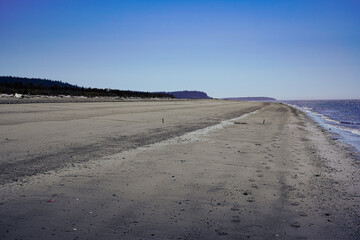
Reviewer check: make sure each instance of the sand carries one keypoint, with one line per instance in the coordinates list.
(116, 171)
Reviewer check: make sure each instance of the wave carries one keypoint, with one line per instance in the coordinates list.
(350, 123)
(326, 118)
(348, 126)
(351, 130)
(329, 119)
(338, 123)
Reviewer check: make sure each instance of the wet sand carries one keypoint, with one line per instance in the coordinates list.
(116, 171)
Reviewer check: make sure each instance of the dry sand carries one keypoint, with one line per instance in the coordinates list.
(115, 171)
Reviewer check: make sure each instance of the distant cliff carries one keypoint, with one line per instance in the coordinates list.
(189, 95)
(252, 99)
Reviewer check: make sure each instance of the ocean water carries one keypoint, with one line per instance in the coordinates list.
(338, 116)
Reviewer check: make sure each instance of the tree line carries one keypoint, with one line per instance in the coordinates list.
(37, 86)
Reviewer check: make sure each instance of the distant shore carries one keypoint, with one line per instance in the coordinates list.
(10, 99)
(173, 169)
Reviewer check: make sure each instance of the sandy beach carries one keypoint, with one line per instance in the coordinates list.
(205, 169)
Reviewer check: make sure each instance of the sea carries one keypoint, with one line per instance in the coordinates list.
(341, 117)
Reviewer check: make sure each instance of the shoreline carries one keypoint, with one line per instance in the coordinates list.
(337, 135)
(284, 179)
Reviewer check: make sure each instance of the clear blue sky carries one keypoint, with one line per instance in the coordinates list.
(284, 49)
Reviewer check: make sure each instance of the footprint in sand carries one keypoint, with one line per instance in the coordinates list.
(299, 195)
(236, 219)
(247, 192)
(302, 214)
(234, 208)
(295, 225)
(220, 232)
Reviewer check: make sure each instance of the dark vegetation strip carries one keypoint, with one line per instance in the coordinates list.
(37, 86)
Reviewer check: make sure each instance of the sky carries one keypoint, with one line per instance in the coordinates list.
(291, 49)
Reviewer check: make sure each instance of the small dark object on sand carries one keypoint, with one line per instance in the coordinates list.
(240, 123)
